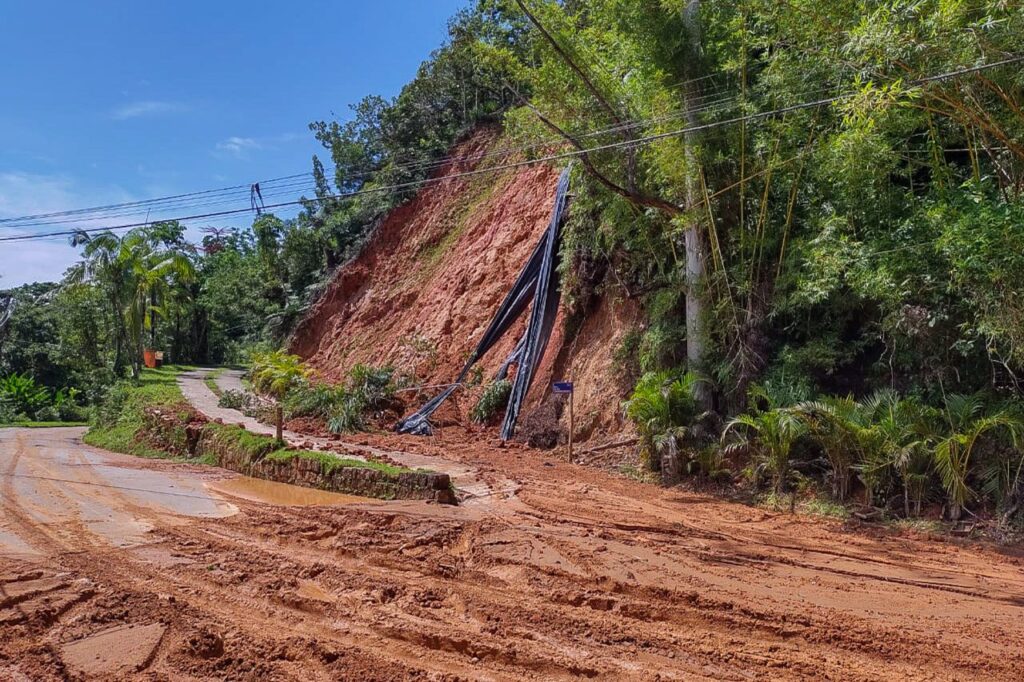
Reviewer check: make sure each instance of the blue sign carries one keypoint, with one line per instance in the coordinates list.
(561, 387)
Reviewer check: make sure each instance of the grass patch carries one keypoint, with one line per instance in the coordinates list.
(211, 381)
(331, 463)
(117, 422)
(258, 446)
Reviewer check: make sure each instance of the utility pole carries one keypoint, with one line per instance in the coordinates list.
(696, 249)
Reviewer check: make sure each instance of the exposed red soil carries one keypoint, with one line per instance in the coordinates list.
(430, 279)
(582, 574)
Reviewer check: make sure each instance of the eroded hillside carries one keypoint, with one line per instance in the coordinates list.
(423, 290)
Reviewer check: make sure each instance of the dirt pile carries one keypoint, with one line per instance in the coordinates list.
(424, 289)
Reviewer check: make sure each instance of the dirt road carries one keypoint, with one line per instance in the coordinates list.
(107, 572)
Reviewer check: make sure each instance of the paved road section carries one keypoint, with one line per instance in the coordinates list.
(57, 493)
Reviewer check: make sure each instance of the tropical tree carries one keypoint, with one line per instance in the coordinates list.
(276, 374)
(968, 423)
(664, 409)
(768, 436)
(136, 271)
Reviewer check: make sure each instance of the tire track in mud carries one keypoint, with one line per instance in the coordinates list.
(721, 617)
(682, 532)
(31, 531)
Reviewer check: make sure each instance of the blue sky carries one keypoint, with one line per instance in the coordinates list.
(106, 102)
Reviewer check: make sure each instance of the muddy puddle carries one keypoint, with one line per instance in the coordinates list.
(282, 494)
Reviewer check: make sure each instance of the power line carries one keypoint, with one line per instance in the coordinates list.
(303, 181)
(548, 158)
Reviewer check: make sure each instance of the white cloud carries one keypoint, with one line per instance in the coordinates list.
(147, 108)
(238, 146)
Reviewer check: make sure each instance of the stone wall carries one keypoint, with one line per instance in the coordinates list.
(364, 481)
(183, 433)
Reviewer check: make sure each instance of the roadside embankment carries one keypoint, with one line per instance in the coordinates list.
(260, 457)
(152, 419)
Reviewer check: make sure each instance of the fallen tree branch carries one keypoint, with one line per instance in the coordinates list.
(610, 446)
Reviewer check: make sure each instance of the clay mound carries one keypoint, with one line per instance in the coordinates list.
(428, 282)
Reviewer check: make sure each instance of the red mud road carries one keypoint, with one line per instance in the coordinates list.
(118, 568)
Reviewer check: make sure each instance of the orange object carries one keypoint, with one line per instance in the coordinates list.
(149, 358)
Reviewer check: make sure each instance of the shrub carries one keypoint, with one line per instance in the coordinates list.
(112, 404)
(375, 385)
(47, 414)
(663, 409)
(769, 437)
(493, 401)
(236, 400)
(348, 415)
(22, 394)
(314, 400)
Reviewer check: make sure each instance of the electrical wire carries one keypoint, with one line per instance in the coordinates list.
(547, 158)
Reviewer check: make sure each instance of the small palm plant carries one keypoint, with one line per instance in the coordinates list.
(276, 374)
(837, 424)
(769, 437)
(664, 408)
(899, 439)
(968, 424)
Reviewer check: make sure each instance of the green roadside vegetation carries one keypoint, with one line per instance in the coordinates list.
(118, 422)
(260, 447)
(120, 426)
(211, 381)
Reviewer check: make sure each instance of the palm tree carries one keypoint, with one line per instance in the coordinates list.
(837, 425)
(136, 271)
(276, 374)
(899, 436)
(769, 436)
(664, 408)
(968, 424)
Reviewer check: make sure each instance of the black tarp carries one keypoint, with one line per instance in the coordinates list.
(538, 282)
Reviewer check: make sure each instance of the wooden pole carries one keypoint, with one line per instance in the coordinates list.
(571, 425)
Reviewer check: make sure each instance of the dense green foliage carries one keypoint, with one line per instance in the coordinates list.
(344, 408)
(22, 399)
(864, 242)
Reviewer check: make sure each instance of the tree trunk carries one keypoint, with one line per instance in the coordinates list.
(670, 465)
(152, 319)
(696, 249)
(280, 423)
